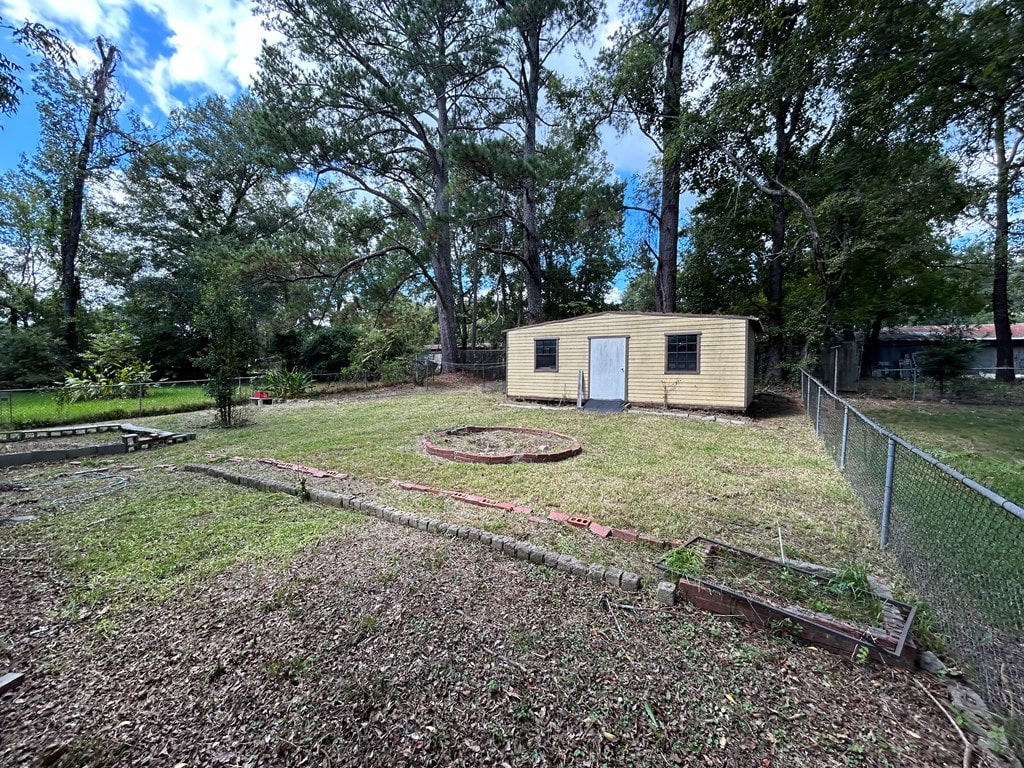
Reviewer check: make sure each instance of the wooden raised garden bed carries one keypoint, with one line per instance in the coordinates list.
(840, 610)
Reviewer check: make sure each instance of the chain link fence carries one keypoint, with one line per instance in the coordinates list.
(961, 544)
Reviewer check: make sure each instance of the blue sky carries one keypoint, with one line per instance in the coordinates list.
(174, 52)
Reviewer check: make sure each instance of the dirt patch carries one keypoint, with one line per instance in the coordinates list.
(393, 648)
(500, 444)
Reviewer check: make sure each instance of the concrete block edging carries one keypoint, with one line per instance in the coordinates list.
(520, 550)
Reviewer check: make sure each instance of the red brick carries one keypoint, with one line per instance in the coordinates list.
(579, 522)
(560, 517)
(623, 535)
(522, 510)
(600, 530)
(650, 540)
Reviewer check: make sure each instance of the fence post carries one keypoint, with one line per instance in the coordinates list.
(817, 414)
(890, 466)
(846, 435)
(140, 399)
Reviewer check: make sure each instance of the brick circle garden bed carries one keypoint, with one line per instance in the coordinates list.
(500, 445)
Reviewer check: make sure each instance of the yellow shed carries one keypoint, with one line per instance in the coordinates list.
(644, 358)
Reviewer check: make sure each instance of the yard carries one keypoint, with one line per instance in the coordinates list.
(22, 409)
(982, 441)
(165, 618)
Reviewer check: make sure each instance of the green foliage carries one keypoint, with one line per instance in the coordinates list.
(28, 357)
(115, 371)
(386, 351)
(850, 580)
(327, 349)
(226, 321)
(950, 356)
(293, 383)
(105, 384)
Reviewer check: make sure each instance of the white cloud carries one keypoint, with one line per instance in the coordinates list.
(210, 46)
(630, 153)
(87, 18)
(213, 48)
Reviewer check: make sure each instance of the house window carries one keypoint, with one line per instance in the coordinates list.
(545, 354)
(682, 353)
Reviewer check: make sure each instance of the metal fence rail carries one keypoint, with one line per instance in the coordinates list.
(961, 544)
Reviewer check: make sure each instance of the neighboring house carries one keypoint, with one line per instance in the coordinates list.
(897, 347)
(645, 358)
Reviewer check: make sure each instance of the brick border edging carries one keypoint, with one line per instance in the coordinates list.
(467, 457)
(507, 545)
(581, 523)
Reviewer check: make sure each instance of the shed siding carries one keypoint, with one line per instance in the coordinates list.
(724, 381)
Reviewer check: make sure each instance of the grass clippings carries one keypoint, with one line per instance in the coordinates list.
(182, 620)
(389, 647)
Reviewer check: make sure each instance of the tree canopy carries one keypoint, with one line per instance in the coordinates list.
(852, 167)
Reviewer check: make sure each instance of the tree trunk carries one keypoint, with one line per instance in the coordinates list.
(441, 253)
(776, 265)
(1001, 253)
(668, 222)
(74, 200)
(531, 238)
(870, 345)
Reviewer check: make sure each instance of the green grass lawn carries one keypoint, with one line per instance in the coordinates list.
(985, 442)
(669, 477)
(40, 408)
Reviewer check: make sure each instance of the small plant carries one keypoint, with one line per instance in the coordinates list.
(686, 561)
(784, 627)
(850, 580)
(293, 383)
(861, 655)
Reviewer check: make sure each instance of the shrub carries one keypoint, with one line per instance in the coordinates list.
(115, 371)
(28, 357)
(286, 383)
(949, 357)
(226, 321)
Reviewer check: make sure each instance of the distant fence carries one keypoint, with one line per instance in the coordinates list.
(961, 544)
(487, 364)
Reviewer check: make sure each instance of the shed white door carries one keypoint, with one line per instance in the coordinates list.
(608, 369)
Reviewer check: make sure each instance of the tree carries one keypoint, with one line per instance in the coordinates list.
(986, 45)
(645, 69)
(225, 321)
(955, 70)
(949, 356)
(80, 134)
(26, 250)
(201, 204)
(540, 29)
(380, 94)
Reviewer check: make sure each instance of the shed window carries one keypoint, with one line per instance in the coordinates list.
(682, 353)
(545, 354)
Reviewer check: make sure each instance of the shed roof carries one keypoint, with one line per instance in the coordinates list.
(756, 321)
